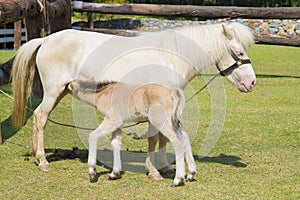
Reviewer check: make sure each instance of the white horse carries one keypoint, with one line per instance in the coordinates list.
(119, 103)
(170, 58)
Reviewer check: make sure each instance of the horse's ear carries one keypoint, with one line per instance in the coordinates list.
(228, 32)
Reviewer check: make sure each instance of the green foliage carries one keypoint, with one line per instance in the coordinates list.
(5, 55)
(256, 157)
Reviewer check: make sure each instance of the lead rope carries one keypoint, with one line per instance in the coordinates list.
(67, 125)
(200, 90)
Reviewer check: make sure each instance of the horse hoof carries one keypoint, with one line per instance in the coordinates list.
(155, 176)
(168, 173)
(190, 177)
(44, 167)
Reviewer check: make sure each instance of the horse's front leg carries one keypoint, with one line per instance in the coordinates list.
(152, 140)
(162, 157)
(116, 148)
(37, 149)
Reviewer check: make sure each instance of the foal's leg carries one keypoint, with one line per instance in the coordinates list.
(168, 131)
(152, 140)
(189, 156)
(106, 127)
(116, 148)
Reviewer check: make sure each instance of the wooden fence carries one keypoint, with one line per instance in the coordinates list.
(7, 37)
(202, 12)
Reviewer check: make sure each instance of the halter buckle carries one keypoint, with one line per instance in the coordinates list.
(239, 62)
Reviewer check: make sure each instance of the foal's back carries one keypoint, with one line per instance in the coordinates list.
(123, 101)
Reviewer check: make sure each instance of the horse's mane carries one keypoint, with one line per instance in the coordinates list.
(243, 34)
(208, 40)
(92, 86)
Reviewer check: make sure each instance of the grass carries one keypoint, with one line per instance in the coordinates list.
(256, 157)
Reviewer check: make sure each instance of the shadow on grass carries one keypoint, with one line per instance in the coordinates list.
(224, 160)
(133, 161)
(8, 130)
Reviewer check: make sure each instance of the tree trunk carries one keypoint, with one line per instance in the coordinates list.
(63, 21)
(203, 12)
(293, 40)
(14, 10)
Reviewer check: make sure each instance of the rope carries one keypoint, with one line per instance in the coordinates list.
(67, 125)
(201, 89)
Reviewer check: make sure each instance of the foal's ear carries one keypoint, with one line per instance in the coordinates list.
(228, 32)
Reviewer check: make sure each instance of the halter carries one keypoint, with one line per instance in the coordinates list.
(238, 62)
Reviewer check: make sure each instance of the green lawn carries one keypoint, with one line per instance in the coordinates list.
(256, 157)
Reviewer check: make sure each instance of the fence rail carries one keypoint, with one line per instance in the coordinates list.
(9, 35)
(203, 12)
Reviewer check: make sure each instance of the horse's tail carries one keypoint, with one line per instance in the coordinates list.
(22, 74)
(178, 106)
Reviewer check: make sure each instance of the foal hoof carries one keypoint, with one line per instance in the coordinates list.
(190, 177)
(177, 182)
(177, 185)
(44, 167)
(155, 176)
(114, 176)
(93, 178)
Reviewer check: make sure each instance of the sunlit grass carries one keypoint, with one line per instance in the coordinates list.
(256, 157)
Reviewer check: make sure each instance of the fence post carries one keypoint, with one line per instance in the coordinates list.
(17, 34)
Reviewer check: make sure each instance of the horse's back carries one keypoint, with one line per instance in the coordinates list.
(63, 53)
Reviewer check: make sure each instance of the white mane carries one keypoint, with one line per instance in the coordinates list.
(243, 34)
(201, 46)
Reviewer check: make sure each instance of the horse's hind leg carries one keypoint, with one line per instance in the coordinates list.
(39, 121)
(40, 117)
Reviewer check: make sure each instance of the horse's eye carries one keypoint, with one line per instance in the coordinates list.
(242, 54)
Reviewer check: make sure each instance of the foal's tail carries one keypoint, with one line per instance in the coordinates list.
(178, 106)
(22, 73)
